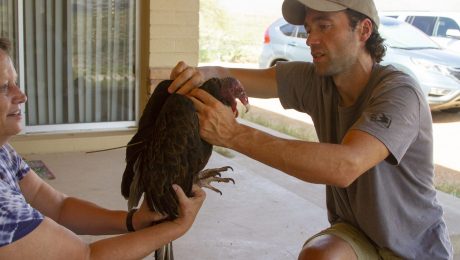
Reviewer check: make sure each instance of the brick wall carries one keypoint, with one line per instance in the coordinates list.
(156, 76)
(174, 32)
(174, 36)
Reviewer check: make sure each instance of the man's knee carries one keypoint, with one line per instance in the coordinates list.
(327, 247)
(311, 252)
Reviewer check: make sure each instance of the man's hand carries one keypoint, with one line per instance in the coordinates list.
(217, 122)
(185, 78)
(144, 217)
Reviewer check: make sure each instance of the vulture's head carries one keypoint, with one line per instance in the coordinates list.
(232, 89)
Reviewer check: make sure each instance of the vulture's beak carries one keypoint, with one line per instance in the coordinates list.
(247, 106)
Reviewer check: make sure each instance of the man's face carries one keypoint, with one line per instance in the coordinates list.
(334, 45)
(11, 98)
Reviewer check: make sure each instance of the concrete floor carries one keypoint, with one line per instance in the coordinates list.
(265, 215)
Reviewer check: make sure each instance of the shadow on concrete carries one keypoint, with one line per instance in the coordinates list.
(281, 123)
(445, 117)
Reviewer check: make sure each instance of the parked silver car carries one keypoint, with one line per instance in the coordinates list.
(409, 49)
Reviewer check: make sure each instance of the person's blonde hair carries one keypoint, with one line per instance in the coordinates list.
(5, 45)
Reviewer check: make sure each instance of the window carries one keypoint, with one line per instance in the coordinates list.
(288, 29)
(445, 24)
(424, 23)
(7, 25)
(76, 60)
(301, 33)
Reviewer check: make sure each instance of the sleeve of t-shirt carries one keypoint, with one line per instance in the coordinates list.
(23, 167)
(17, 217)
(293, 79)
(393, 117)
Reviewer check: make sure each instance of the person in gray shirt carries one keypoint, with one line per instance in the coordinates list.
(374, 125)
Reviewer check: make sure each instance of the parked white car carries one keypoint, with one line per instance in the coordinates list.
(442, 27)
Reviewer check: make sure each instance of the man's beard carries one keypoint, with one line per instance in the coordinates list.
(333, 66)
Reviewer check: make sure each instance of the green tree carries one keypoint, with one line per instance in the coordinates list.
(213, 28)
(229, 37)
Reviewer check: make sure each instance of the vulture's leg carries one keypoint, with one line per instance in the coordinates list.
(207, 176)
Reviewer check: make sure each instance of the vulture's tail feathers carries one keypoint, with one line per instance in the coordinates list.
(165, 252)
(133, 149)
(146, 123)
(164, 203)
(135, 189)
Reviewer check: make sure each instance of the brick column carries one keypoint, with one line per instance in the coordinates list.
(174, 36)
(174, 32)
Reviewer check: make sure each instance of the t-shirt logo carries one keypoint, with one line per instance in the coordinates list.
(381, 119)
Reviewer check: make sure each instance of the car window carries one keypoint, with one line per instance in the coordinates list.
(445, 24)
(398, 34)
(288, 29)
(424, 23)
(301, 33)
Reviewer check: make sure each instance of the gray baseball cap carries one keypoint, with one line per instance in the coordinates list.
(294, 10)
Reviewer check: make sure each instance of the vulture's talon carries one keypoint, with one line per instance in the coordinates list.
(206, 177)
(208, 173)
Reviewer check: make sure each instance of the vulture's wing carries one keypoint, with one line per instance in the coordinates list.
(173, 153)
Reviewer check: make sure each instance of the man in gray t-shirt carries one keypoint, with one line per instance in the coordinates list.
(394, 202)
(374, 127)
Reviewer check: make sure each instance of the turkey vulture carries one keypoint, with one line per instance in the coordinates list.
(168, 149)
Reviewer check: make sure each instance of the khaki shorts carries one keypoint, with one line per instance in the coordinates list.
(363, 247)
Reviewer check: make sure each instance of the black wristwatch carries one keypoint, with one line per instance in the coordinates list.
(129, 220)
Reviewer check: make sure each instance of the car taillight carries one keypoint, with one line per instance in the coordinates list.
(266, 37)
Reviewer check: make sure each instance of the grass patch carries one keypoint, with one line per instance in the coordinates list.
(285, 129)
(447, 180)
(449, 188)
(223, 151)
(280, 123)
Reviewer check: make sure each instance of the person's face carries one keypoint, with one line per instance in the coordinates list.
(11, 98)
(334, 45)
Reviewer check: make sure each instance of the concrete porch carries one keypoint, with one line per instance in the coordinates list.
(265, 215)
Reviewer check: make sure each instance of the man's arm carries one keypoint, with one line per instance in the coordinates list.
(259, 83)
(333, 164)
